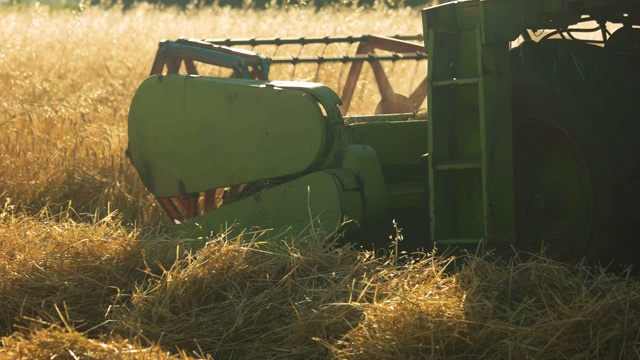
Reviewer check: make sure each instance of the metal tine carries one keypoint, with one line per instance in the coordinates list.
(340, 83)
(293, 72)
(343, 66)
(349, 58)
(303, 41)
(317, 75)
(340, 76)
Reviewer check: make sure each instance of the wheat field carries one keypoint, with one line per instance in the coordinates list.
(87, 270)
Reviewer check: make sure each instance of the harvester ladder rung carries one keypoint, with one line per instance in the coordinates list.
(461, 164)
(469, 140)
(456, 82)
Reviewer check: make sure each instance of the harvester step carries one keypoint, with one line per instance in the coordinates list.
(458, 164)
(456, 82)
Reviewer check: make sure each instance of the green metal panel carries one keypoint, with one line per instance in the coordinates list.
(395, 142)
(363, 161)
(315, 202)
(188, 134)
(470, 148)
(321, 200)
(400, 147)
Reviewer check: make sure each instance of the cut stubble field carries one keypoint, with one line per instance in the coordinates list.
(87, 270)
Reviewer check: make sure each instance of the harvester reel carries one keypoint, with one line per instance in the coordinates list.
(185, 55)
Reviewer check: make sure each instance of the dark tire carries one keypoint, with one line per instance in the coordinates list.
(577, 158)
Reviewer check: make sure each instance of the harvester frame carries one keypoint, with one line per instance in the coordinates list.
(457, 174)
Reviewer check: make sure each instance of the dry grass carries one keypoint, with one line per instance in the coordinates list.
(71, 286)
(237, 300)
(55, 342)
(536, 309)
(54, 268)
(102, 281)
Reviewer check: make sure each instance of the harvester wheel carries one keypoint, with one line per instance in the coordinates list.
(577, 177)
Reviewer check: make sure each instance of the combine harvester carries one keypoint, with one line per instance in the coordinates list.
(531, 134)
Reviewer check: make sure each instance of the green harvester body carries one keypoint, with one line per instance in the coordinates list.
(226, 154)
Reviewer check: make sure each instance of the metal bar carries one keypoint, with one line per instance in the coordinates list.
(192, 203)
(384, 86)
(173, 65)
(458, 164)
(456, 82)
(305, 40)
(419, 94)
(365, 119)
(395, 45)
(217, 56)
(190, 67)
(158, 63)
(365, 51)
(346, 58)
(352, 78)
(170, 208)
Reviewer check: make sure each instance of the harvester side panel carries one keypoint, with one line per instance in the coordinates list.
(320, 201)
(470, 157)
